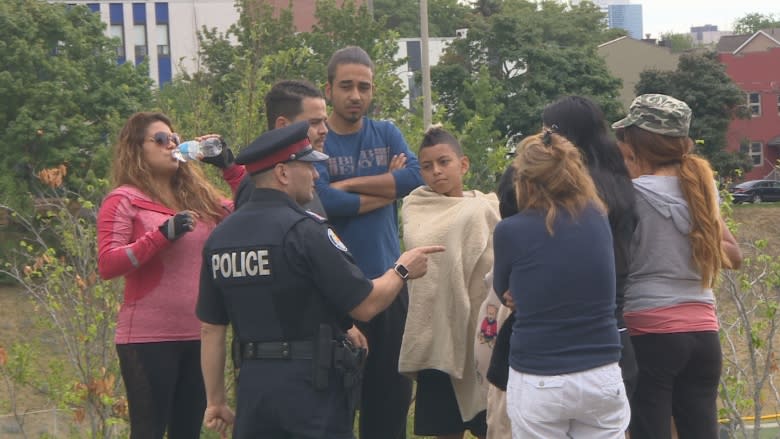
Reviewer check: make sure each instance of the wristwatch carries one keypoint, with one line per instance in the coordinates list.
(401, 271)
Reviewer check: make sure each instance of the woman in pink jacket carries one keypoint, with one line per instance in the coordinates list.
(151, 230)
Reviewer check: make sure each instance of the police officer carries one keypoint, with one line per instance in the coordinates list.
(289, 287)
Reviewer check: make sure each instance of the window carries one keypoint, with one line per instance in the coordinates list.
(163, 48)
(778, 104)
(118, 31)
(140, 53)
(139, 42)
(754, 150)
(754, 104)
(59, 48)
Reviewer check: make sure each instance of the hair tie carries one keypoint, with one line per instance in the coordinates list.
(547, 136)
(685, 156)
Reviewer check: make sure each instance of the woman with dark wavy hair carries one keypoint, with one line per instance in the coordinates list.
(151, 231)
(581, 120)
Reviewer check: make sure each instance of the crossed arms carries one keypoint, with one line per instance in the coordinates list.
(374, 191)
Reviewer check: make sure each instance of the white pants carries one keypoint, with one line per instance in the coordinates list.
(589, 405)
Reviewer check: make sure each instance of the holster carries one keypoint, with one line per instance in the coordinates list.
(235, 352)
(349, 360)
(322, 357)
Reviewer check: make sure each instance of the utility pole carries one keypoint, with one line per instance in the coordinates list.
(370, 8)
(426, 65)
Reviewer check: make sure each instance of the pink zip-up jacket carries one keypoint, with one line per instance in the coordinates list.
(161, 277)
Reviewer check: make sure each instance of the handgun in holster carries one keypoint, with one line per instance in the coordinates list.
(235, 352)
(349, 360)
(322, 357)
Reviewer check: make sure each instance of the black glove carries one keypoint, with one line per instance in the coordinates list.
(223, 160)
(178, 225)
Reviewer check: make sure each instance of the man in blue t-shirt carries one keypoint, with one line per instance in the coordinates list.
(370, 167)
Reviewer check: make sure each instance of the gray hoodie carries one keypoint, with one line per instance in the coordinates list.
(661, 270)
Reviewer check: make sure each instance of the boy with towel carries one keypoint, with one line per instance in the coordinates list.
(438, 347)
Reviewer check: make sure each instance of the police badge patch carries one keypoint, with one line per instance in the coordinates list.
(336, 241)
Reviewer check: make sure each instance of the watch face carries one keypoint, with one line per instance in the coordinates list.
(400, 269)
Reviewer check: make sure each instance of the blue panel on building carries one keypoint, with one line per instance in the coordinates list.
(414, 63)
(116, 13)
(94, 7)
(139, 13)
(414, 53)
(164, 69)
(161, 12)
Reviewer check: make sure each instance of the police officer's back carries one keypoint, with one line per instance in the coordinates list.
(288, 286)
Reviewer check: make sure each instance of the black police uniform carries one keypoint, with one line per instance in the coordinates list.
(282, 278)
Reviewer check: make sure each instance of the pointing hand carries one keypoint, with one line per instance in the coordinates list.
(416, 259)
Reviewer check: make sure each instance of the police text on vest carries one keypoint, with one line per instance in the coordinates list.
(241, 264)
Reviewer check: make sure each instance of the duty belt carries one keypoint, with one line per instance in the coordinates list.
(277, 350)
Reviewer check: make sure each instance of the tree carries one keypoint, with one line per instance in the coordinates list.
(701, 81)
(444, 16)
(535, 54)
(613, 34)
(259, 32)
(754, 22)
(677, 42)
(62, 94)
(227, 95)
(55, 264)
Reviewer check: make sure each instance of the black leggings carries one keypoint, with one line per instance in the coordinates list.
(678, 376)
(164, 388)
(386, 394)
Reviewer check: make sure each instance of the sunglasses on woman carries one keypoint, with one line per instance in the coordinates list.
(163, 139)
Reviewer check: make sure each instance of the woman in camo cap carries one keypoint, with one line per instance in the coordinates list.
(679, 245)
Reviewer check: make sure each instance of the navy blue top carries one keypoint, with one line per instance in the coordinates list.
(372, 237)
(563, 287)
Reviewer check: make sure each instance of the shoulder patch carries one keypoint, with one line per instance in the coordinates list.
(316, 216)
(336, 241)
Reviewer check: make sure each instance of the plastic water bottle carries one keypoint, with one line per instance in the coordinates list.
(194, 150)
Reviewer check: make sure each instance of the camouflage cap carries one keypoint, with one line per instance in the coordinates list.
(659, 114)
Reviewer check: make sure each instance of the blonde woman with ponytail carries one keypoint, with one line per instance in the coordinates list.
(556, 259)
(679, 246)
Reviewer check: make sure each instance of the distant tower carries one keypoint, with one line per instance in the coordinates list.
(626, 16)
(620, 14)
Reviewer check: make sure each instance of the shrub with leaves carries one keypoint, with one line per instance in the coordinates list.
(55, 263)
(749, 320)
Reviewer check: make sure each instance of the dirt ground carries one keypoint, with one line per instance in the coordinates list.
(16, 324)
(759, 222)
(40, 418)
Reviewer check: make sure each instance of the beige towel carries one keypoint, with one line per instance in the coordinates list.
(443, 305)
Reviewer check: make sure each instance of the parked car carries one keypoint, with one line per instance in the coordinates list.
(756, 191)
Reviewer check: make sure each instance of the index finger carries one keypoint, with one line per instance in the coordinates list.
(428, 249)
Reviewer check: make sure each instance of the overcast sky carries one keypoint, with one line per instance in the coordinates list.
(662, 16)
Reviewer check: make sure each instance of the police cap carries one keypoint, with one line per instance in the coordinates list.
(279, 146)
